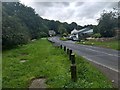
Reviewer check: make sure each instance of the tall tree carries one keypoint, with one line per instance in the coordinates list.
(106, 25)
(73, 25)
(21, 23)
(62, 29)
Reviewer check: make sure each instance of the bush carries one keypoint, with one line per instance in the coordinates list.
(43, 34)
(63, 39)
(96, 35)
(14, 32)
(64, 34)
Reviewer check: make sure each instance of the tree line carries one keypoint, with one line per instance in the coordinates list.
(21, 23)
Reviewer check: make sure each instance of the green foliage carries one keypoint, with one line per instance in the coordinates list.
(107, 23)
(119, 22)
(96, 35)
(96, 29)
(43, 34)
(13, 33)
(63, 39)
(62, 30)
(21, 23)
(73, 25)
(113, 44)
(44, 60)
(65, 34)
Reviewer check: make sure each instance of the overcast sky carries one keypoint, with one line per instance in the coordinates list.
(82, 13)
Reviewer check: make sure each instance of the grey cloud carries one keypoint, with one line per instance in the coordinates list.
(66, 3)
(50, 4)
(43, 4)
(113, 4)
(71, 11)
(89, 11)
(43, 7)
(79, 4)
(63, 3)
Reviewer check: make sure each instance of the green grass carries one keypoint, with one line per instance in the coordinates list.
(107, 44)
(63, 39)
(44, 60)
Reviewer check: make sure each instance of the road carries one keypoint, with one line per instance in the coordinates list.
(104, 59)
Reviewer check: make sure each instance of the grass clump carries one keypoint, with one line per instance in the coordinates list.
(63, 39)
(44, 60)
(113, 44)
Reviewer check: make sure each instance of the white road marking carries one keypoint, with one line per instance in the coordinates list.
(102, 52)
(101, 64)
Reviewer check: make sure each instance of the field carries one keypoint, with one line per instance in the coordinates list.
(113, 44)
(41, 59)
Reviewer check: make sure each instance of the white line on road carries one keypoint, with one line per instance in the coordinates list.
(103, 52)
(101, 64)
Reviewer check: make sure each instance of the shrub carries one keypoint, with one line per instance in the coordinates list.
(96, 35)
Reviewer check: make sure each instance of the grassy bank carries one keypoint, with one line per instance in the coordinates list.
(107, 44)
(44, 60)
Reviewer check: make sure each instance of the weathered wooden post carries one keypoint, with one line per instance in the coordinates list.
(73, 58)
(61, 46)
(70, 52)
(64, 48)
(67, 50)
(73, 72)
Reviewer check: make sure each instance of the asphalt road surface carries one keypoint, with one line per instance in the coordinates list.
(105, 59)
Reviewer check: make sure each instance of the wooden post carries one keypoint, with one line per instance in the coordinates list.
(73, 72)
(70, 52)
(64, 48)
(61, 46)
(73, 58)
(67, 50)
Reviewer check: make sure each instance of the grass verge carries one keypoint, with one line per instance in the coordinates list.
(107, 44)
(63, 39)
(44, 60)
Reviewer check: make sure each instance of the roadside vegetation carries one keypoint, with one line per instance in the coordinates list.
(21, 23)
(63, 39)
(113, 44)
(41, 59)
(23, 62)
(107, 28)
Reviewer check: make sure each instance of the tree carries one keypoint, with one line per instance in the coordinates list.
(119, 22)
(96, 35)
(14, 33)
(67, 27)
(62, 30)
(73, 25)
(95, 29)
(107, 23)
(20, 24)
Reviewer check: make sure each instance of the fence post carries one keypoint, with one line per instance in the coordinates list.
(61, 46)
(73, 72)
(64, 48)
(70, 52)
(73, 58)
(67, 50)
